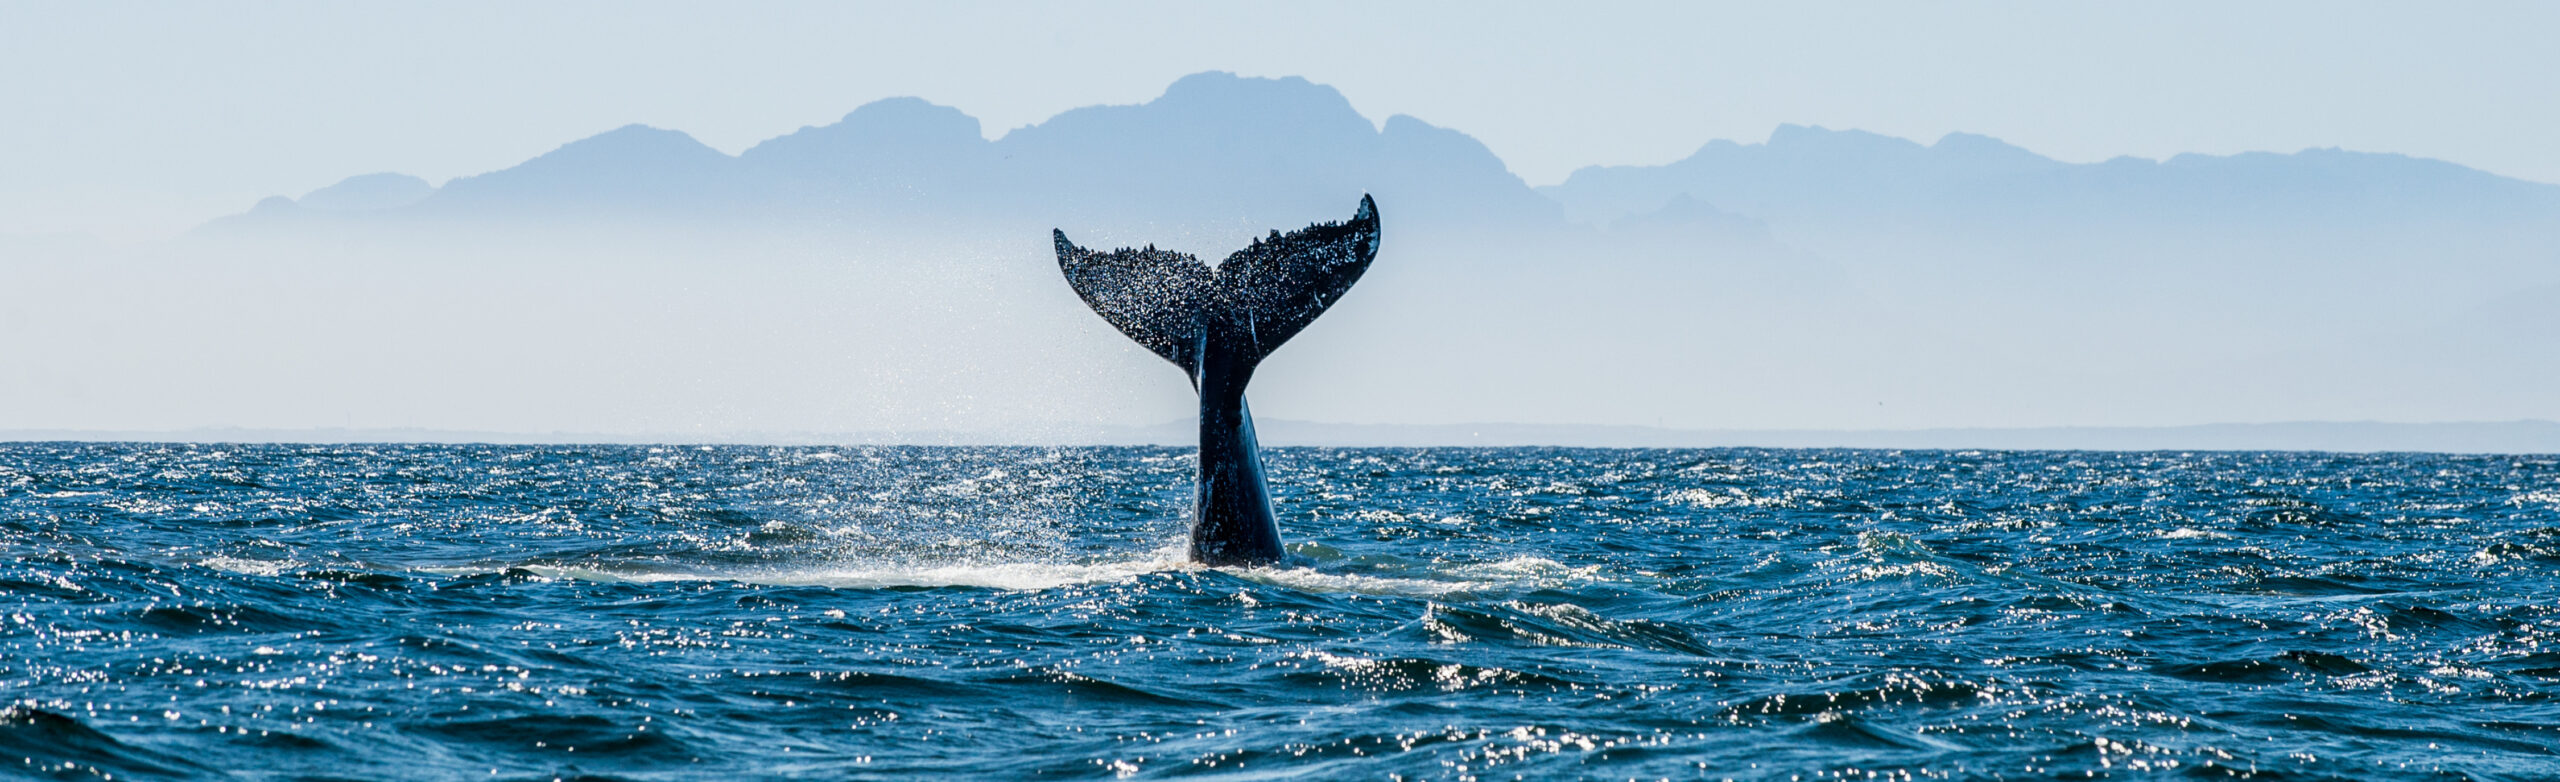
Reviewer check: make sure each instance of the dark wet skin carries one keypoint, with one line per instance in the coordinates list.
(1218, 325)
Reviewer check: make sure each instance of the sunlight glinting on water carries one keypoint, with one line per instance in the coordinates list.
(643, 612)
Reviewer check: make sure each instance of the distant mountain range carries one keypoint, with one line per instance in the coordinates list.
(1809, 173)
(1217, 147)
(892, 270)
(1810, 210)
(1214, 148)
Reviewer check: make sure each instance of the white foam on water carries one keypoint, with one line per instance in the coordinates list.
(1442, 579)
(2185, 533)
(1019, 576)
(1312, 580)
(253, 567)
(1435, 580)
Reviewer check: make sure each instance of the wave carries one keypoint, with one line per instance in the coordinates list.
(1434, 579)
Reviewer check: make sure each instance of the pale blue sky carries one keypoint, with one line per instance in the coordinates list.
(131, 120)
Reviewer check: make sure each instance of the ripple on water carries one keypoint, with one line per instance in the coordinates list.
(640, 612)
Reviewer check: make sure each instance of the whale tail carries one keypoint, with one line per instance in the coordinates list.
(1218, 325)
(1257, 299)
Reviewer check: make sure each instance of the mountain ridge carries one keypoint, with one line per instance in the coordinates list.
(1224, 148)
(1818, 276)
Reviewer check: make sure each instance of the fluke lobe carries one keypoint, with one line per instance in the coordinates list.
(1217, 325)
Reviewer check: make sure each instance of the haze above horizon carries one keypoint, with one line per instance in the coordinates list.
(1954, 253)
(152, 122)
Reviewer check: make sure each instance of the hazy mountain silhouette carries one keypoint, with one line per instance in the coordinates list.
(1215, 149)
(355, 194)
(1218, 149)
(900, 157)
(2239, 246)
(367, 192)
(631, 169)
(1810, 173)
(1819, 279)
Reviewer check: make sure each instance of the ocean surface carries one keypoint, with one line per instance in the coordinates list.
(635, 612)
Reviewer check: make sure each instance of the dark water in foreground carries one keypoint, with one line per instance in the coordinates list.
(635, 612)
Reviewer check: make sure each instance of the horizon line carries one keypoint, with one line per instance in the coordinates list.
(2508, 437)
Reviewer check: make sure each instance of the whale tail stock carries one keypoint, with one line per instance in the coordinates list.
(1218, 325)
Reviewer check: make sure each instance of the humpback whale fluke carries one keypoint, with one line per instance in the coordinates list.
(1217, 326)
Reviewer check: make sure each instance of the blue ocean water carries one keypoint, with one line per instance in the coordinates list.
(380, 611)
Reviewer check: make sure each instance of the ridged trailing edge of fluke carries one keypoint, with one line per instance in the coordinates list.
(1217, 325)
